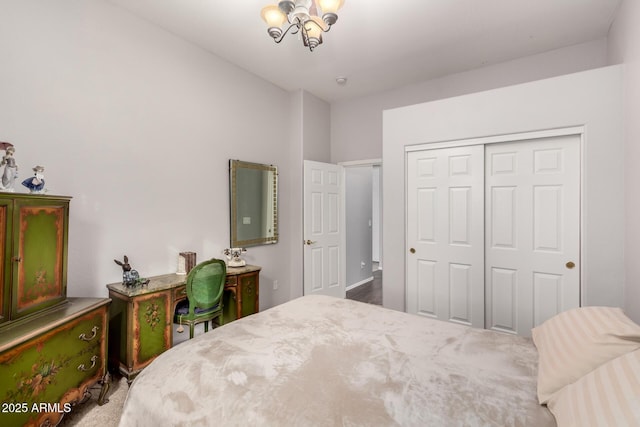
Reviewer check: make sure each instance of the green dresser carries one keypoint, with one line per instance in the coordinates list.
(49, 362)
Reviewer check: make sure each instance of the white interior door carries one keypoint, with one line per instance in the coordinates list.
(445, 234)
(324, 271)
(532, 231)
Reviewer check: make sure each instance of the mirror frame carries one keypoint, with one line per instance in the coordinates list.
(234, 165)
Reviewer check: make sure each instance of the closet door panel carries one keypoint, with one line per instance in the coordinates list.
(547, 218)
(504, 219)
(426, 277)
(504, 292)
(445, 241)
(548, 296)
(533, 229)
(460, 286)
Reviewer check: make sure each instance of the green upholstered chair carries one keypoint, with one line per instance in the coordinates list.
(205, 283)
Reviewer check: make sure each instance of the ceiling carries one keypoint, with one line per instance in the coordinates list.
(380, 45)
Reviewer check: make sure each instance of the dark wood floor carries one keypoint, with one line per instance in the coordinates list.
(369, 292)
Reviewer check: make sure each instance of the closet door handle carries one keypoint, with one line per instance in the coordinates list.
(570, 265)
(412, 250)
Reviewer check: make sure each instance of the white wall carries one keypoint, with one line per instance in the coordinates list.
(624, 48)
(356, 124)
(138, 126)
(591, 98)
(316, 132)
(309, 133)
(295, 220)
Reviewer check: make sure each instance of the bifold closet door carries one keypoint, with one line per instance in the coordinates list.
(445, 234)
(532, 231)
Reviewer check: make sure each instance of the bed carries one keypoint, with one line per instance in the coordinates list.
(323, 361)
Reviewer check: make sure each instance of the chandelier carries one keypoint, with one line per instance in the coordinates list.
(302, 17)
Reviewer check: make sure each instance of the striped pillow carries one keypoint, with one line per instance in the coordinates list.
(575, 342)
(608, 396)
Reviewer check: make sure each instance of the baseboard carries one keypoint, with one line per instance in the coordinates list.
(360, 283)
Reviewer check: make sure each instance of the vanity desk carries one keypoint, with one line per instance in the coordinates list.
(141, 318)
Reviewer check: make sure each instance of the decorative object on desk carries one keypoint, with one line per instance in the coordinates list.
(233, 257)
(10, 172)
(182, 265)
(35, 184)
(130, 277)
(189, 261)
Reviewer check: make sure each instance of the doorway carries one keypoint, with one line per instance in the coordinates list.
(363, 207)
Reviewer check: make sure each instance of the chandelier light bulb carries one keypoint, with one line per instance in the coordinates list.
(330, 6)
(273, 16)
(314, 28)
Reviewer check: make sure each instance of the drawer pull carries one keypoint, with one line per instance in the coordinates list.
(94, 332)
(93, 364)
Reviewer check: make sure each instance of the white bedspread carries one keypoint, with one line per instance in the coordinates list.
(321, 361)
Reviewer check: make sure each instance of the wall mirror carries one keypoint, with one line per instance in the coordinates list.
(254, 203)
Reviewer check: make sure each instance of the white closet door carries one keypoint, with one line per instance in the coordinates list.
(532, 231)
(445, 234)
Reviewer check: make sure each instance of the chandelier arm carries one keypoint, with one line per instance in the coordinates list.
(293, 25)
(305, 35)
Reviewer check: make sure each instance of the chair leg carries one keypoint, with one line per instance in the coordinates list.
(206, 326)
(191, 326)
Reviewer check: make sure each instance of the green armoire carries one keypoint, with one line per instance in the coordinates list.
(33, 254)
(52, 348)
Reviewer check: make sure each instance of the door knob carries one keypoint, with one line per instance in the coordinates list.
(570, 265)
(412, 250)
(309, 242)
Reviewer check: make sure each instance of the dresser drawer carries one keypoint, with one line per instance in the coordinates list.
(179, 293)
(54, 368)
(231, 281)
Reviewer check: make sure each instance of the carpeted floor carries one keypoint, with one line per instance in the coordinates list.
(90, 414)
